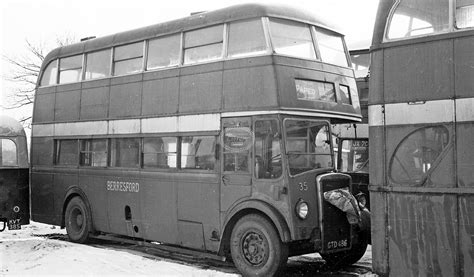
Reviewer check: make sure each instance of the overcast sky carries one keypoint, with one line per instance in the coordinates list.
(42, 21)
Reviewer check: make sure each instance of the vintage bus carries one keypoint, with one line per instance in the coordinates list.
(14, 172)
(210, 133)
(421, 128)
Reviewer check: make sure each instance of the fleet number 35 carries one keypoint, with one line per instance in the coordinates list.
(303, 186)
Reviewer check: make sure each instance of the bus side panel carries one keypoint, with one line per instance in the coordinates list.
(160, 96)
(466, 235)
(42, 199)
(465, 175)
(464, 71)
(67, 105)
(196, 89)
(94, 188)
(417, 81)
(465, 159)
(422, 240)
(44, 106)
(198, 208)
(379, 230)
(247, 87)
(125, 99)
(158, 204)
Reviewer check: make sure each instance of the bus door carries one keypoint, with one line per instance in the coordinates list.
(236, 178)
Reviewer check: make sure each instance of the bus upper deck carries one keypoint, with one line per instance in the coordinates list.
(14, 186)
(290, 61)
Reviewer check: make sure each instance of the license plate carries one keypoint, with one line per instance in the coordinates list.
(337, 244)
(14, 224)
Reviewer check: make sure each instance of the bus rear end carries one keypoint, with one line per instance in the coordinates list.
(14, 187)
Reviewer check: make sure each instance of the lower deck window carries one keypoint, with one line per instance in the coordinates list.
(125, 152)
(198, 152)
(160, 152)
(66, 152)
(93, 152)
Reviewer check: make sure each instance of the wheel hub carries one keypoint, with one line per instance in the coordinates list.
(254, 248)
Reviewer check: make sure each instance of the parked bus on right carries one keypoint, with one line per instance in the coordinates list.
(421, 129)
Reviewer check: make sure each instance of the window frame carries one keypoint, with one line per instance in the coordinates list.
(108, 75)
(152, 168)
(57, 152)
(91, 152)
(310, 27)
(17, 154)
(180, 51)
(114, 61)
(266, 38)
(81, 73)
(452, 27)
(56, 61)
(223, 42)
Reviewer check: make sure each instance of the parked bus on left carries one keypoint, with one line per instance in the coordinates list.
(14, 186)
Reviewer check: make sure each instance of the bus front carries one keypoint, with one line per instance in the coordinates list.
(317, 89)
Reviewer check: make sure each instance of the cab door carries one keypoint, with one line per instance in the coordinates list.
(236, 179)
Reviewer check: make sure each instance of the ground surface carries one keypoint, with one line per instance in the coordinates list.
(39, 249)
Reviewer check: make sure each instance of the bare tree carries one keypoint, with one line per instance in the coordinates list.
(24, 74)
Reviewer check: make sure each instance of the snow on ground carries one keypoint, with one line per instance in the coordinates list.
(43, 250)
(29, 252)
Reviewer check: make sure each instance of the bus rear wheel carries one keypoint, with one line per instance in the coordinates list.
(78, 220)
(256, 247)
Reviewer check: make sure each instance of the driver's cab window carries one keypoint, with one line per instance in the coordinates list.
(267, 150)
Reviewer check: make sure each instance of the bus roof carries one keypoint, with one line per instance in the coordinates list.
(10, 127)
(199, 20)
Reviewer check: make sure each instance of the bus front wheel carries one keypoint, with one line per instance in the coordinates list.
(78, 220)
(256, 247)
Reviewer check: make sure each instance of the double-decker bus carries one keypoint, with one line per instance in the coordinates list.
(210, 133)
(421, 128)
(14, 172)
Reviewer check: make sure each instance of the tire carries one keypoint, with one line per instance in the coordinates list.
(78, 220)
(347, 257)
(256, 248)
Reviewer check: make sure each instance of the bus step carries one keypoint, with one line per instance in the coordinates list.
(163, 249)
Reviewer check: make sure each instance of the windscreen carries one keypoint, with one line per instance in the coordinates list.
(308, 145)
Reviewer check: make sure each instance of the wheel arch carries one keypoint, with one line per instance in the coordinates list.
(71, 193)
(253, 207)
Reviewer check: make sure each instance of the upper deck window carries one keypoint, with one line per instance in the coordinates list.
(331, 47)
(97, 64)
(8, 153)
(70, 69)
(204, 44)
(418, 17)
(292, 39)
(50, 74)
(128, 58)
(464, 13)
(243, 42)
(163, 52)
